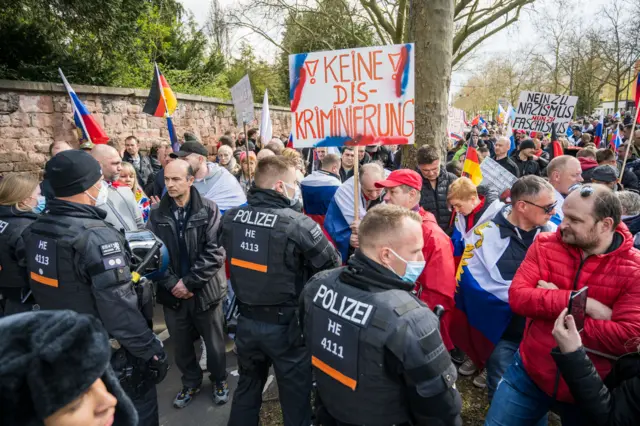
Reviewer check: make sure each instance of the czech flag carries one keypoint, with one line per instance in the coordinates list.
(471, 167)
(161, 101)
(91, 130)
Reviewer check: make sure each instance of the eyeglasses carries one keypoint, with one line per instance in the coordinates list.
(547, 209)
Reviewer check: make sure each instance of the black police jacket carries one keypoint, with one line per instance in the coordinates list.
(273, 249)
(77, 261)
(434, 200)
(206, 278)
(613, 402)
(13, 277)
(376, 348)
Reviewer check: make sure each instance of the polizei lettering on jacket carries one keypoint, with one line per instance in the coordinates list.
(352, 310)
(250, 217)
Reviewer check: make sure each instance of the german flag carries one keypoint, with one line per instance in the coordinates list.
(161, 101)
(471, 167)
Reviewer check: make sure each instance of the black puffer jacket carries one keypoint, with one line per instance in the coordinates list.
(434, 200)
(203, 230)
(13, 277)
(614, 402)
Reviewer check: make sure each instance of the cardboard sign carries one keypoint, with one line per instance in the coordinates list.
(537, 111)
(496, 176)
(360, 96)
(243, 100)
(456, 121)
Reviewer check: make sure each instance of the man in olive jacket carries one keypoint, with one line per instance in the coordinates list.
(195, 284)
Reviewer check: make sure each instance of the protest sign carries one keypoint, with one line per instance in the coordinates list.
(495, 176)
(353, 97)
(456, 121)
(536, 111)
(243, 100)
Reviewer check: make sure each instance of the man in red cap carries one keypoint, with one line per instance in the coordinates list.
(437, 283)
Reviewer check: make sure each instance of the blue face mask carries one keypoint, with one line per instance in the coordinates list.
(413, 270)
(42, 203)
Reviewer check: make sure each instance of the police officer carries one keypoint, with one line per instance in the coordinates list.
(76, 261)
(273, 249)
(377, 352)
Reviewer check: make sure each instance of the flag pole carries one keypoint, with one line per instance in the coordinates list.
(73, 106)
(630, 145)
(166, 108)
(356, 182)
(246, 145)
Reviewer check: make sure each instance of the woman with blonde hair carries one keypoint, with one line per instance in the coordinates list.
(247, 170)
(20, 205)
(128, 178)
(294, 155)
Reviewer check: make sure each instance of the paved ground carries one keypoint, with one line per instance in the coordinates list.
(202, 411)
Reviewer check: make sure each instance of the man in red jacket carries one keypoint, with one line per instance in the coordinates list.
(437, 283)
(590, 248)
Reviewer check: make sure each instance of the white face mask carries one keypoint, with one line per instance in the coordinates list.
(102, 195)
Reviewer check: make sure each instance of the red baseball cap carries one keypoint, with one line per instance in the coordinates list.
(401, 177)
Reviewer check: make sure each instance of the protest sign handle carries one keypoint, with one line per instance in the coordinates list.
(356, 182)
(246, 145)
(629, 145)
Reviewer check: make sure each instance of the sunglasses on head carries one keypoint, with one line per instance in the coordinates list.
(585, 190)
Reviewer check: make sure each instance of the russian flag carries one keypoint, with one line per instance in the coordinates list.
(91, 130)
(482, 311)
(616, 141)
(318, 190)
(597, 137)
(340, 214)
(456, 136)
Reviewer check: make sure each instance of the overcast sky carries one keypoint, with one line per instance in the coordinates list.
(521, 35)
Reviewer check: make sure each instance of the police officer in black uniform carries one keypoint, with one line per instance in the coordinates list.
(376, 348)
(273, 249)
(77, 261)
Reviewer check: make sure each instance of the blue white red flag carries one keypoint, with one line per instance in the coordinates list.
(318, 190)
(91, 130)
(340, 215)
(616, 141)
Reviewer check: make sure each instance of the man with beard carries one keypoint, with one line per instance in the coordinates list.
(590, 248)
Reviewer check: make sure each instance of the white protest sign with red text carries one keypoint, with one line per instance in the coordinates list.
(359, 96)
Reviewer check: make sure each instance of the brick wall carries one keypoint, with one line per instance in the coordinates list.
(32, 115)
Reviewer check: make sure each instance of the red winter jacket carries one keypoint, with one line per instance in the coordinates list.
(612, 279)
(437, 283)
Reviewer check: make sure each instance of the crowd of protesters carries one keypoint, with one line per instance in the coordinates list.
(503, 266)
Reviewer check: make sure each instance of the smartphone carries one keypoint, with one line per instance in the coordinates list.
(578, 306)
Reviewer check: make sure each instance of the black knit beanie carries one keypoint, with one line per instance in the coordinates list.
(72, 172)
(50, 358)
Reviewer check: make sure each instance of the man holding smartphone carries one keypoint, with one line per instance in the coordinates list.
(590, 248)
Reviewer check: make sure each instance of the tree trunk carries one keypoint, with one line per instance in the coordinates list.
(431, 29)
(617, 98)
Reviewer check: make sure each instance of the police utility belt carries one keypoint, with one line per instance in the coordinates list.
(269, 314)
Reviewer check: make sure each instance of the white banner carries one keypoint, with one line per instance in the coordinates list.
(537, 111)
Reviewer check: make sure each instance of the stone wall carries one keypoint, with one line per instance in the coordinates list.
(32, 115)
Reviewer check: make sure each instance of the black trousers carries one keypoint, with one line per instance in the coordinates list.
(147, 407)
(185, 325)
(259, 345)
